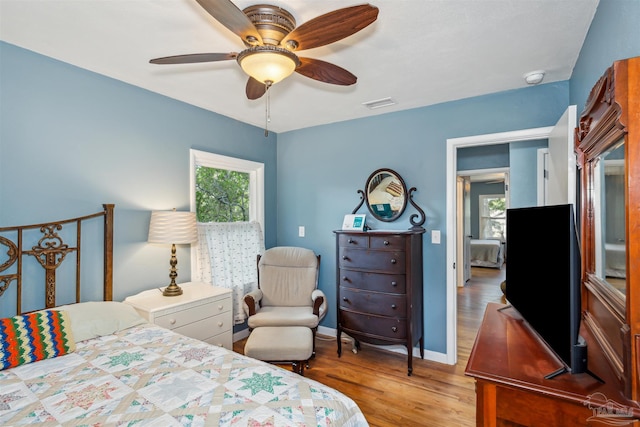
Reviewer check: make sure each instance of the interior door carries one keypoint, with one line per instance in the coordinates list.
(561, 161)
(463, 230)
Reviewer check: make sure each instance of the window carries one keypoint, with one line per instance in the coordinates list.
(493, 218)
(227, 195)
(226, 189)
(221, 195)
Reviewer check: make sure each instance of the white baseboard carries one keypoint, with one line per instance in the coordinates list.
(240, 335)
(433, 356)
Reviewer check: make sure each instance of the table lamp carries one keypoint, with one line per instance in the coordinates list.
(174, 228)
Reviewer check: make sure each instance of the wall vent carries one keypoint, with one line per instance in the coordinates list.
(379, 103)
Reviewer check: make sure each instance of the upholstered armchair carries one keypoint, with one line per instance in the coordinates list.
(287, 293)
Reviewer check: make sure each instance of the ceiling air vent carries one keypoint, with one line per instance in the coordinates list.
(379, 103)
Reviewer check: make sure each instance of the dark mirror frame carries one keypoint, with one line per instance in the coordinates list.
(375, 179)
(610, 318)
(416, 220)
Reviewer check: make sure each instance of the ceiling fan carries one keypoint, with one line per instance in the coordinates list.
(272, 38)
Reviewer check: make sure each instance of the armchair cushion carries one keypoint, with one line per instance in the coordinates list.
(284, 316)
(287, 276)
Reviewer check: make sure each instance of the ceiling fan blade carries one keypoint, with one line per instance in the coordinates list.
(331, 27)
(194, 57)
(325, 72)
(228, 14)
(255, 89)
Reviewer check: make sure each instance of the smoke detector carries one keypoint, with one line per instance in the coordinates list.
(534, 77)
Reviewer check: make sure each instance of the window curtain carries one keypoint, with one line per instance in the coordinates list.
(226, 256)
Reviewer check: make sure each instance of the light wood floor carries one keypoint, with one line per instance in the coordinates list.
(435, 394)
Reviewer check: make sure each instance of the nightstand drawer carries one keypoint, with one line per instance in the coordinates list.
(207, 327)
(180, 318)
(222, 340)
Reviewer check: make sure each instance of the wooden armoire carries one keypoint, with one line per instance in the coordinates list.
(509, 361)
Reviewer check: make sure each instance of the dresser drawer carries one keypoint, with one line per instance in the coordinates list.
(387, 261)
(179, 318)
(373, 302)
(390, 242)
(389, 283)
(386, 327)
(353, 240)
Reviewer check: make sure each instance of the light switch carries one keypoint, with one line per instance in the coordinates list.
(301, 231)
(435, 237)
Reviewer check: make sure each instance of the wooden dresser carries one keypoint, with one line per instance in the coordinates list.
(510, 362)
(379, 288)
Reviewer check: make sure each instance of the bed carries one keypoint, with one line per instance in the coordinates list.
(487, 253)
(100, 363)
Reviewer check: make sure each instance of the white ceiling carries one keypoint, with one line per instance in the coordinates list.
(418, 52)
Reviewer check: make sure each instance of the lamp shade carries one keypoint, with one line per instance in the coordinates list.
(172, 227)
(268, 63)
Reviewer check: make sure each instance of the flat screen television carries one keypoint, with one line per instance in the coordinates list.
(543, 278)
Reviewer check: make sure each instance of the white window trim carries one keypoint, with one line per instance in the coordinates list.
(256, 183)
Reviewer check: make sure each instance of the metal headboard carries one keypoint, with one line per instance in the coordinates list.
(50, 252)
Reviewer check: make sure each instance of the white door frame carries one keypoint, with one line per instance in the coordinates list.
(452, 145)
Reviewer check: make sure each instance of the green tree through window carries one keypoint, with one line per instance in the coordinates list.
(221, 195)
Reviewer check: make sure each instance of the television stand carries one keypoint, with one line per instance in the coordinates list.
(509, 363)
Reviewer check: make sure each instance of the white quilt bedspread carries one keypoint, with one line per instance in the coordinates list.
(149, 376)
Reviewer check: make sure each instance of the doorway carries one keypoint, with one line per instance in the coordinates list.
(453, 239)
(472, 221)
(562, 135)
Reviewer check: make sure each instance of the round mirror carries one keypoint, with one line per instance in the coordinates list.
(386, 195)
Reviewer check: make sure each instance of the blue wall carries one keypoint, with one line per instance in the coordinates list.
(614, 34)
(321, 168)
(523, 158)
(483, 157)
(71, 140)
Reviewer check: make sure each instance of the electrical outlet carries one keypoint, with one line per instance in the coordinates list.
(435, 237)
(301, 231)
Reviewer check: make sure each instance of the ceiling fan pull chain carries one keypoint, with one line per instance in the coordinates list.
(267, 108)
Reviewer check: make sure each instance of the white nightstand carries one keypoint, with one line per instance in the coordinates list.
(202, 311)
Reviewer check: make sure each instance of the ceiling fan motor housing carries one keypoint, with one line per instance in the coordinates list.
(272, 23)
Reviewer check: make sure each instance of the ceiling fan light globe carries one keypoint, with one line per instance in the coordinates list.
(266, 63)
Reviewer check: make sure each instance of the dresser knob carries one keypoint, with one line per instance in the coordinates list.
(393, 261)
(394, 284)
(394, 329)
(386, 243)
(220, 307)
(220, 324)
(393, 306)
(172, 321)
(345, 299)
(345, 278)
(350, 240)
(344, 257)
